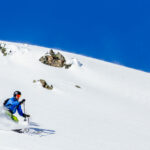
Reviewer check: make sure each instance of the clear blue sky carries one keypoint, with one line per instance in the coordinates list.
(112, 30)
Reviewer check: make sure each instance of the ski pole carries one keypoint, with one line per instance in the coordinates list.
(24, 111)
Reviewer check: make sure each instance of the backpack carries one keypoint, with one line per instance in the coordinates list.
(5, 102)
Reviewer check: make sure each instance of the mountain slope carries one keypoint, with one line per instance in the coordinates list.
(109, 112)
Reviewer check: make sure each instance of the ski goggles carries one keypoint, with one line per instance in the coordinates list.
(18, 96)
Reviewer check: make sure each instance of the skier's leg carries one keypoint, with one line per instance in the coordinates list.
(8, 113)
(13, 117)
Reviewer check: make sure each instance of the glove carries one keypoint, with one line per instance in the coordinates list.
(26, 115)
(22, 101)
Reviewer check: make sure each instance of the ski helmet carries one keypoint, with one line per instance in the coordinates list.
(17, 93)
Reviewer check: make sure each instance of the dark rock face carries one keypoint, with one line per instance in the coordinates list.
(52, 59)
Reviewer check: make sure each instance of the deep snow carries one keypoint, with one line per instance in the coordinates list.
(109, 112)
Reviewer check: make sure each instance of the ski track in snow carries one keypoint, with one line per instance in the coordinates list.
(109, 112)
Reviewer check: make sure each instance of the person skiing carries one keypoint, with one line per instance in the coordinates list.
(12, 105)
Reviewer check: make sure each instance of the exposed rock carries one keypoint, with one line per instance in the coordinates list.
(44, 84)
(51, 52)
(77, 86)
(67, 66)
(3, 50)
(55, 60)
(34, 81)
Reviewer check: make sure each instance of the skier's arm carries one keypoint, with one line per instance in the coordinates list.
(20, 111)
(22, 102)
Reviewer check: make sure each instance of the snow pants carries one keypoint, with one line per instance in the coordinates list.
(13, 117)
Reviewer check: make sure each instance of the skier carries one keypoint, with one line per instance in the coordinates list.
(13, 104)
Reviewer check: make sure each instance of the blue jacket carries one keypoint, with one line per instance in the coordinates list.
(13, 105)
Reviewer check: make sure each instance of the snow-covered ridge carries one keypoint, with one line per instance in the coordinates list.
(109, 111)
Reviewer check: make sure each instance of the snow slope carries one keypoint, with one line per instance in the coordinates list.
(109, 112)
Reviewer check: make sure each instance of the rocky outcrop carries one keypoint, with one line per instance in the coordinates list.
(44, 84)
(3, 50)
(52, 59)
(55, 60)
